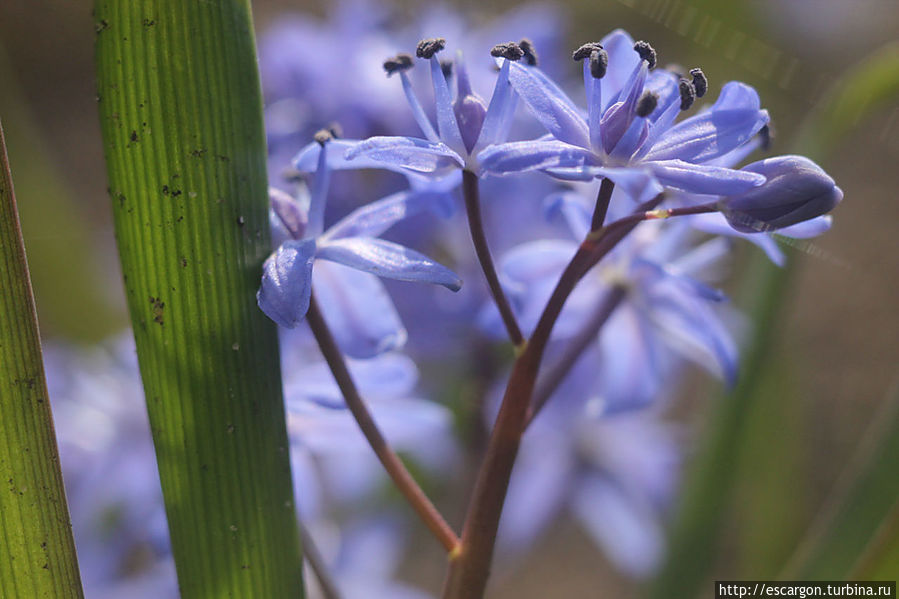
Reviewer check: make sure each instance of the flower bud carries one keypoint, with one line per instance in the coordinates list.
(797, 190)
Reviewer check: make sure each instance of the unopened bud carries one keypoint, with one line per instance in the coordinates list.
(796, 190)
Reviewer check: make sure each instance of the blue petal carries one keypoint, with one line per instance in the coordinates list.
(537, 491)
(373, 219)
(387, 375)
(632, 367)
(625, 525)
(418, 112)
(522, 156)
(702, 179)
(306, 160)
(287, 282)
(409, 153)
(388, 259)
(574, 209)
(446, 117)
(810, 228)
(550, 105)
(501, 104)
(637, 183)
(359, 311)
(287, 216)
(692, 328)
(717, 225)
(731, 122)
(622, 62)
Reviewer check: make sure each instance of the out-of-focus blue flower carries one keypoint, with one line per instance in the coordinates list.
(363, 556)
(667, 312)
(628, 134)
(353, 241)
(109, 469)
(326, 443)
(617, 474)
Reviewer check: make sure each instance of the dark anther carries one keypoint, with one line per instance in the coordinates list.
(447, 67)
(585, 51)
(429, 47)
(687, 94)
(509, 51)
(647, 103)
(335, 130)
(646, 53)
(765, 138)
(599, 62)
(530, 54)
(323, 136)
(700, 83)
(397, 64)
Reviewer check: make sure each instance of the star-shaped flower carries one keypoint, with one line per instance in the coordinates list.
(628, 133)
(353, 241)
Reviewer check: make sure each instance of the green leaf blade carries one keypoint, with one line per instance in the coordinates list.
(181, 114)
(37, 551)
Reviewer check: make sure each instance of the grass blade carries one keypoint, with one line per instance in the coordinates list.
(37, 552)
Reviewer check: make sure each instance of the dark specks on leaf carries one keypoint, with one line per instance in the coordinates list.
(101, 26)
(134, 137)
(157, 307)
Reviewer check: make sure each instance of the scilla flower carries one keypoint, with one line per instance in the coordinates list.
(353, 241)
(628, 134)
(465, 125)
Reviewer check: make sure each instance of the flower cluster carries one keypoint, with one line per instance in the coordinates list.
(644, 148)
(637, 196)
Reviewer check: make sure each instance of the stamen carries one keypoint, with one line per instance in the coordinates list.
(530, 54)
(397, 64)
(509, 51)
(585, 51)
(429, 47)
(646, 53)
(765, 136)
(447, 67)
(335, 130)
(700, 82)
(599, 63)
(687, 94)
(647, 103)
(323, 136)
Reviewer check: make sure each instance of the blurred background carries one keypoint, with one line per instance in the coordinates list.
(836, 346)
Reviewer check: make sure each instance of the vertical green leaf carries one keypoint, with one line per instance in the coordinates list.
(181, 114)
(37, 552)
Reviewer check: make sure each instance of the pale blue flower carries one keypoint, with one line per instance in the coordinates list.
(353, 242)
(628, 133)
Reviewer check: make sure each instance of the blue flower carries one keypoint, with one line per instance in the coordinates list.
(616, 474)
(667, 313)
(353, 242)
(465, 125)
(628, 133)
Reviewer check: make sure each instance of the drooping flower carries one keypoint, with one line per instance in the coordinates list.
(628, 133)
(353, 242)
